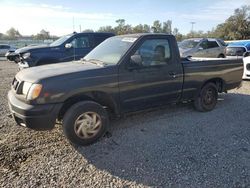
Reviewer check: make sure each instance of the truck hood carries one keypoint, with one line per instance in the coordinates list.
(36, 74)
(32, 48)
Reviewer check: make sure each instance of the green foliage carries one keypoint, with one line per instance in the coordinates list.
(12, 34)
(43, 35)
(236, 26)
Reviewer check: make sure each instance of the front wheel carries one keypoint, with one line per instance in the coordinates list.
(207, 98)
(85, 122)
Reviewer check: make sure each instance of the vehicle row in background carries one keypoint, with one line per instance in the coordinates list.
(4, 48)
(237, 49)
(67, 48)
(202, 47)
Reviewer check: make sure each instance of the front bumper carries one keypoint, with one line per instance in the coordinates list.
(37, 117)
(12, 56)
(246, 73)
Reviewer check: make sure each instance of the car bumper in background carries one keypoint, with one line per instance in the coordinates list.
(37, 117)
(12, 56)
(246, 73)
(23, 65)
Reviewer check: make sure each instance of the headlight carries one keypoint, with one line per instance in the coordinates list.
(34, 91)
(26, 87)
(26, 55)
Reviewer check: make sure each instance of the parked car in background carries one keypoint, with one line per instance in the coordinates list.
(246, 60)
(237, 49)
(67, 48)
(4, 48)
(202, 47)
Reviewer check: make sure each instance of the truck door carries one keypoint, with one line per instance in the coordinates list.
(157, 81)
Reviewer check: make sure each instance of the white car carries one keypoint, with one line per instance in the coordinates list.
(246, 74)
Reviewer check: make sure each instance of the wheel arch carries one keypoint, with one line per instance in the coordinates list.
(99, 97)
(221, 55)
(219, 82)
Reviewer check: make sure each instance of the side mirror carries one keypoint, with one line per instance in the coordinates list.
(68, 45)
(135, 61)
(246, 54)
(200, 48)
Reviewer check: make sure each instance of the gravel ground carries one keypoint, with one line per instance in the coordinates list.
(171, 147)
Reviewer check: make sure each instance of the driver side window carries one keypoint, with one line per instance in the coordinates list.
(81, 42)
(154, 52)
(204, 45)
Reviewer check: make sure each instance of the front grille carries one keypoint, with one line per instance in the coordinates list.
(248, 66)
(17, 85)
(235, 51)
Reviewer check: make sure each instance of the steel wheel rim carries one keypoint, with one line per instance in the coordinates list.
(88, 125)
(209, 97)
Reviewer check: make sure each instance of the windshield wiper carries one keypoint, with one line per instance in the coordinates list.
(95, 61)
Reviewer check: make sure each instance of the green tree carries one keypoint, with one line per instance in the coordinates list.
(236, 26)
(43, 35)
(106, 29)
(167, 27)
(12, 34)
(138, 29)
(157, 26)
(177, 34)
(146, 28)
(120, 29)
(88, 30)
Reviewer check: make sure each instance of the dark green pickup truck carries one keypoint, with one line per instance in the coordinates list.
(121, 75)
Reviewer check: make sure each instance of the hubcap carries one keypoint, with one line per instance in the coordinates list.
(88, 125)
(209, 97)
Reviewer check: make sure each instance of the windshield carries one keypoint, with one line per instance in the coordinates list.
(60, 40)
(111, 50)
(188, 44)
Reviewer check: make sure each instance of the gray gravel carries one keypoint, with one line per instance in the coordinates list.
(171, 147)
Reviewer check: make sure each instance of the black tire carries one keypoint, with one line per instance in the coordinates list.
(73, 114)
(207, 98)
(221, 56)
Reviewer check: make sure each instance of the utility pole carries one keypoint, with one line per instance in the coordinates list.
(73, 24)
(192, 28)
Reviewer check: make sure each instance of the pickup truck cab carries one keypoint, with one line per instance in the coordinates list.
(123, 74)
(67, 48)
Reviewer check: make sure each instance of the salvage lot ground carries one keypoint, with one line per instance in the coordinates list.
(171, 147)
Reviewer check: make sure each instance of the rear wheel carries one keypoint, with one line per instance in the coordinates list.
(85, 122)
(207, 98)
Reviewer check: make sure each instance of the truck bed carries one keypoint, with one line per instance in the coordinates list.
(229, 71)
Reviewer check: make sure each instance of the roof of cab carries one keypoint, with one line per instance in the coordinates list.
(137, 35)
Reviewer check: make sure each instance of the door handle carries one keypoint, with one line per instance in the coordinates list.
(172, 74)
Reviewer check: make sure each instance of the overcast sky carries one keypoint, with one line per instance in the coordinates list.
(30, 16)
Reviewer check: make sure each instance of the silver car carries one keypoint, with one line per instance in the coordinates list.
(4, 48)
(202, 47)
